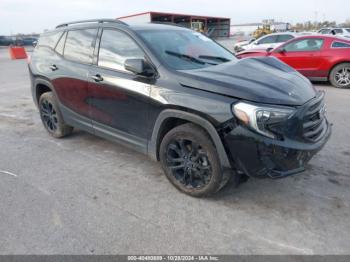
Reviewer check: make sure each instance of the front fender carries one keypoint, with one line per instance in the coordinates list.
(153, 144)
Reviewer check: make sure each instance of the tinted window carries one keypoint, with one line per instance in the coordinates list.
(324, 31)
(348, 29)
(284, 38)
(310, 44)
(60, 45)
(338, 31)
(79, 45)
(184, 49)
(340, 44)
(268, 40)
(49, 39)
(115, 48)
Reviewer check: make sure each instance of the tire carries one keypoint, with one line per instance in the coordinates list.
(51, 116)
(190, 161)
(340, 76)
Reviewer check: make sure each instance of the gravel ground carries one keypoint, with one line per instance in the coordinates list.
(85, 195)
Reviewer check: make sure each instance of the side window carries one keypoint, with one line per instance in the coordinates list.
(338, 31)
(284, 38)
(79, 45)
(340, 45)
(49, 39)
(311, 44)
(324, 31)
(60, 45)
(115, 48)
(268, 40)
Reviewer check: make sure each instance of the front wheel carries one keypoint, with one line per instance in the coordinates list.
(340, 76)
(190, 161)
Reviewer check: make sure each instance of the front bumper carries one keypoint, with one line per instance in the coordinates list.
(259, 156)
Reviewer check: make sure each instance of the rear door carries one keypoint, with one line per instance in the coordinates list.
(303, 55)
(71, 85)
(119, 99)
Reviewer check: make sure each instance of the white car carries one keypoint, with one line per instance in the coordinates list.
(335, 31)
(270, 41)
(239, 46)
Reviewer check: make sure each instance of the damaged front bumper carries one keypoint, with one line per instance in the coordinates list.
(259, 156)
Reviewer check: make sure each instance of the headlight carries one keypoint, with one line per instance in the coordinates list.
(261, 118)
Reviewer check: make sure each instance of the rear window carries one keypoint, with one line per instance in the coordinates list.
(79, 45)
(340, 45)
(60, 45)
(49, 39)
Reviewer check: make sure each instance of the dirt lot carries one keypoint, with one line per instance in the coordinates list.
(84, 195)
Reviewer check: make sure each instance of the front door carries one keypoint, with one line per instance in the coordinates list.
(303, 55)
(119, 99)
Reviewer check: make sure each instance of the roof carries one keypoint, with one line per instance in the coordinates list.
(175, 14)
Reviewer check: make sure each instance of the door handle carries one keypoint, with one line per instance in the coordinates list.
(53, 67)
(97, 78)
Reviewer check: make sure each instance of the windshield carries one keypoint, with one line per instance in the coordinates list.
(184, 49)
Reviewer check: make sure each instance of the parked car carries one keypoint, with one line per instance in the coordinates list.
(335, 31)
(267, 41)
(29, 41)
(179, 97)
(318, 57)
(239, 45)
(5, 41)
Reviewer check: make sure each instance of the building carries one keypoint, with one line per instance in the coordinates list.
(214, 27)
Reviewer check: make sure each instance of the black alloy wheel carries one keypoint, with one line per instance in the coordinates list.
(189, 163)
(51, 116)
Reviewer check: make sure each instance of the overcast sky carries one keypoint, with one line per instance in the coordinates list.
(26, 16)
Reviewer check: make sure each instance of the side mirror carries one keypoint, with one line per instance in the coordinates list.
(138, 66)
(269, 49)
(252, 40)
(281, 50)
(34, 43)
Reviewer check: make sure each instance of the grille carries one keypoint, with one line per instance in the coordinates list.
(314, 121)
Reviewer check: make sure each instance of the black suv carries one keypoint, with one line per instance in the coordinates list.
(181, 98)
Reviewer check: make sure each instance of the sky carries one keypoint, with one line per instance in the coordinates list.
(27, 16)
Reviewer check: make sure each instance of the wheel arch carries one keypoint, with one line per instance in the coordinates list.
(336, 64)
(41, 86)
(177, 117)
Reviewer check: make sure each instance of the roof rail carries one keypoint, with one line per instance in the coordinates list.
(93, 21)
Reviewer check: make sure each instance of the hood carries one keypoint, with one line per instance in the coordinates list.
(259, 79)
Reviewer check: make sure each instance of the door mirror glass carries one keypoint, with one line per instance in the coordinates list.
(281, 50)
(138, 66)
(269, 49)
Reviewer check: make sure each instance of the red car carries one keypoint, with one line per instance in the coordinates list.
(318, 57)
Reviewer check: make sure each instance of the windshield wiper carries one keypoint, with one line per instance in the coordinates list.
(185, 57)
(222, 59)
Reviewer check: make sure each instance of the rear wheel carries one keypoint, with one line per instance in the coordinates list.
(51, 116)
(190, 161)
(340, 76)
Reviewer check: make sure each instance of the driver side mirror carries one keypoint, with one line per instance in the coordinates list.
(281, 50)
(139, 66)
(269, 49)
(252, 40)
